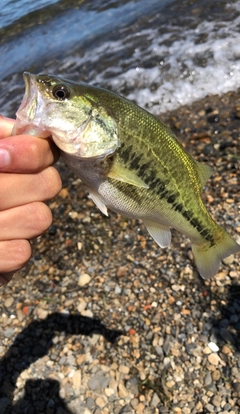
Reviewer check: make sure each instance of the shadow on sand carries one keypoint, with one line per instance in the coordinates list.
(32, 343)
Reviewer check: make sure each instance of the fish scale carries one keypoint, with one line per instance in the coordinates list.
(129, 160)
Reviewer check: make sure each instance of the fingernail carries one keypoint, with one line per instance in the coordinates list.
(5, 158)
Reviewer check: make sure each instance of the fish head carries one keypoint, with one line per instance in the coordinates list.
(68, 111)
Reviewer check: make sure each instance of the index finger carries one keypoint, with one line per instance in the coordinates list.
(6, 126)
(27, 153)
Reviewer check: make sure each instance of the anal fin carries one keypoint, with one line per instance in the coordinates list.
(160, 233)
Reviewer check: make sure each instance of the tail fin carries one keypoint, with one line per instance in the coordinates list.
(208, 259)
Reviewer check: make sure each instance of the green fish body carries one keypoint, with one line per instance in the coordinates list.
(129, 161)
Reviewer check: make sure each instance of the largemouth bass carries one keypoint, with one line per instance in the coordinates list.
(129, 161)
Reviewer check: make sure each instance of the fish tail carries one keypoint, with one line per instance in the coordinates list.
(208, 258)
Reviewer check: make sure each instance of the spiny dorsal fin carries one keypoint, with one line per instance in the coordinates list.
(120, 173)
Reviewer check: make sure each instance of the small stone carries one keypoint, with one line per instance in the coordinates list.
(109, 392)
(177, 410)
(94, 339)
(41, 313)
(20, 315)
(228, 260)
(118, 290)
(100, 402)
(8, 332)
(82, 305)
(170, 384)
(236, 373)
(123, 392)
(140, 408)
(208, 379)
(207, 350)
(122, 271)
(64, 193)
(98, 381)
(84, 279)
(76, 379)
(90, 403)
(213, 347)
(124, 369)
(216, 375)
(155, 400)
(213, 359)
(8, 302)
(199, 407)
(226, 350)
(236, 386)
(216, 400)
(209, 408)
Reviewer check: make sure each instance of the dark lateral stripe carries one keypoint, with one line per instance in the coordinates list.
(195, 223)
(134, 164)
(148, 175)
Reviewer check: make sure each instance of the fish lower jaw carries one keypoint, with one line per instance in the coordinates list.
(22, 127)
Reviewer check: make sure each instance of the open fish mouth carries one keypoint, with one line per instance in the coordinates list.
(29, 114)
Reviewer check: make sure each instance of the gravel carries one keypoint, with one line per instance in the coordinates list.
(103, 321)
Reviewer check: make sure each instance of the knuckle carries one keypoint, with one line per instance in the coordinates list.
(50, 183)
(35, 154)
(40, 218)
(20, 253)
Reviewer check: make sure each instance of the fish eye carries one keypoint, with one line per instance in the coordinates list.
(61, 92)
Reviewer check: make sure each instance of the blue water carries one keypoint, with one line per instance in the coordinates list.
(159, 53)
(12, 10)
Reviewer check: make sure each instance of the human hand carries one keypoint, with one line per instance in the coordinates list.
(27, 179)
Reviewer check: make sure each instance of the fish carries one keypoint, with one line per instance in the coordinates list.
(129, 160)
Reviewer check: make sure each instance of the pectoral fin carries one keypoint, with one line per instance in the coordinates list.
(120, 173)
(97, 200)
(160, 233)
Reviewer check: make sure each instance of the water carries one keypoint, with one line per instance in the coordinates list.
(159, 53)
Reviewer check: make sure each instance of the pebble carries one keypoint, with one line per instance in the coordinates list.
(123, 369)
(226, 350)
(155, 400)
(208, 378)
(216, 400)
(236, 373)
(213, 359)
(8, 302)
(76, 379)
(123, 392)
(41, 313)
(213, 347)
(209, 408)
(82, 306)
(84, 279)
(98, 382)
(216, 375)
(228, 260)
(8, 332)
(100, 402)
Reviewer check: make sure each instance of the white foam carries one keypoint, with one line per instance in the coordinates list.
(185, 69)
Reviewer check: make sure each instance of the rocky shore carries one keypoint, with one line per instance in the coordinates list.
(103, 321)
